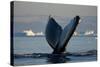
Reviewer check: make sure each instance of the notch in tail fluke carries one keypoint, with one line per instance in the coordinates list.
(58, 38)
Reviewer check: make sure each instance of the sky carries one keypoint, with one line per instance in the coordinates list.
(30, 8)
(33, 15)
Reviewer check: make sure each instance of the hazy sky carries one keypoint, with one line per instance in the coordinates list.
(32, 15)
(31, 8)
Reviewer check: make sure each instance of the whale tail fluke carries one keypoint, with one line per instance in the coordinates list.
(58, 38)
(53, 32)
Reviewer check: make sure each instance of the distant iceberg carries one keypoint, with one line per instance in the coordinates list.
(39, 33)
(76, 34)
(86, 33)
(31, 33)
(89, 33)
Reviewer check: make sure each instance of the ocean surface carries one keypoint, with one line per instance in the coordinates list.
(35, 50)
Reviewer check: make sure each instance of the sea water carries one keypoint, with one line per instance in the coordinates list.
(36, 50)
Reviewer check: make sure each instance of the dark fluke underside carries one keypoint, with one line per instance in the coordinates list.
(57, 37)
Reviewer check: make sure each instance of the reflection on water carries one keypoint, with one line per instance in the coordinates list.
(52, 60)
(58, 59)
(47, 58)
(35, 50)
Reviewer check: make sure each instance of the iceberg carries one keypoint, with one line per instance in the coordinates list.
(31, 33)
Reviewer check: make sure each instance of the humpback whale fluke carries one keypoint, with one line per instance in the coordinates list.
(57, 37)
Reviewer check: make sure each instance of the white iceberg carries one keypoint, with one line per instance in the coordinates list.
(76, 33)
(31, 33)
(89, 33)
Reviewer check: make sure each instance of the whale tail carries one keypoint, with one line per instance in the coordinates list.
(57, 37)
